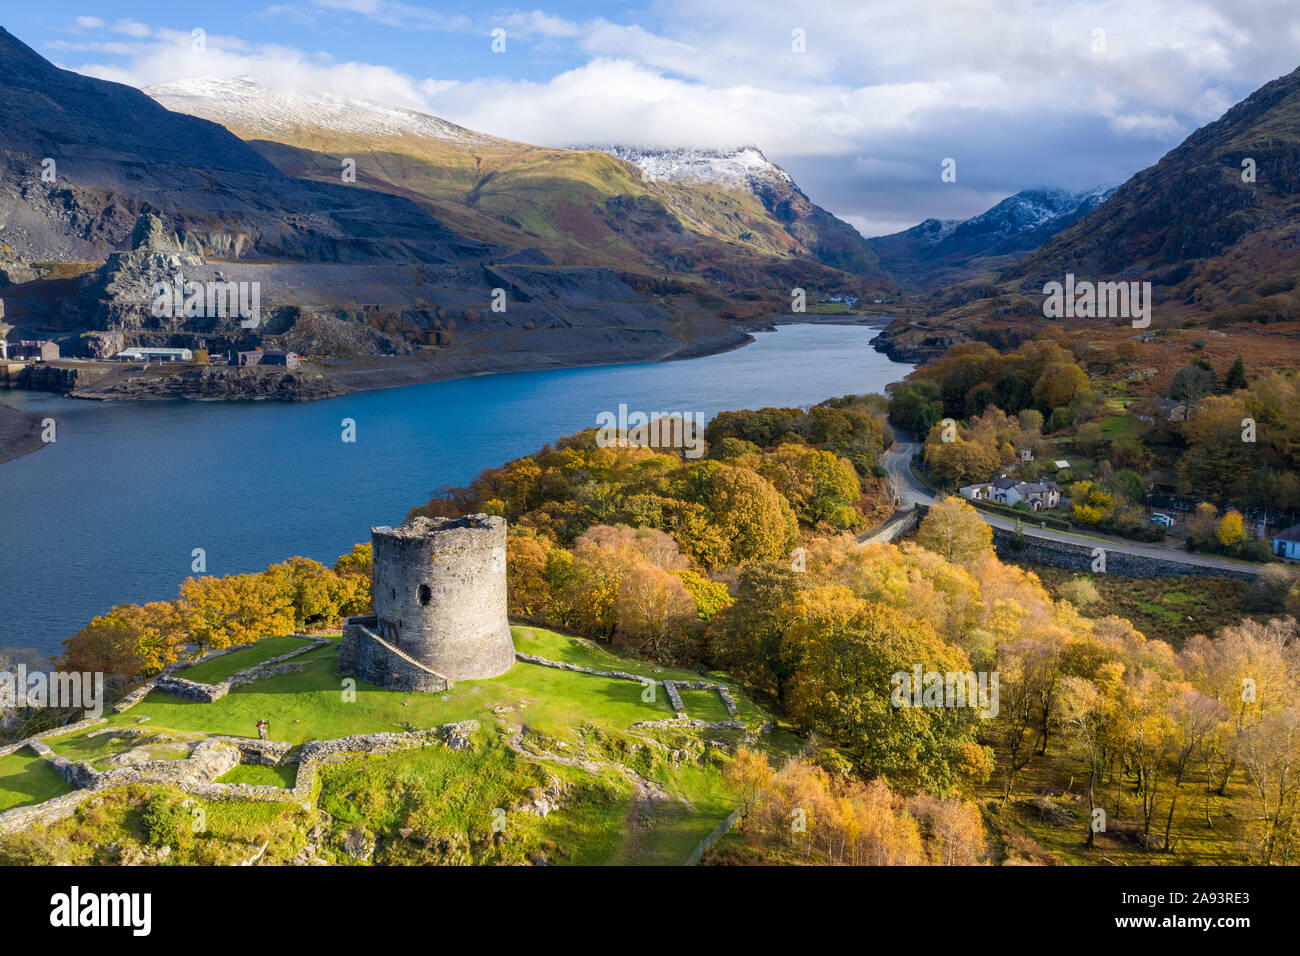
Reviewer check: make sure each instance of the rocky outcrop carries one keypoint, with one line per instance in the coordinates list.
(17, 270)
(207, 383)
(124, 284)
(904, 341)
(43, 377)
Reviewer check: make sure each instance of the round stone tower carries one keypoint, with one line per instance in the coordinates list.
(440, 594)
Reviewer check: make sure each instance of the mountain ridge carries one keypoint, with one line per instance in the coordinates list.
(1192, 223)
(581, 205)
(938, 252)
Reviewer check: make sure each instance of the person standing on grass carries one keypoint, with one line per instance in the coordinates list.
(261, 730)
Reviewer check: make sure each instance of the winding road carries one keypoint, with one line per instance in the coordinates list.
(897, 462)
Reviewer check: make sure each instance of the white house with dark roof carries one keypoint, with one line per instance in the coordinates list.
(1037, 495)
(1286, 544)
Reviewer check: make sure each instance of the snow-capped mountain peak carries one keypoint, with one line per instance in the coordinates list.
(739, 167)
(247, 105)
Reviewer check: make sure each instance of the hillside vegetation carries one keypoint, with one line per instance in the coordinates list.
(1073, 737)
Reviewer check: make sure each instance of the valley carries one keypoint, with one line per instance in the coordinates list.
(658, 437)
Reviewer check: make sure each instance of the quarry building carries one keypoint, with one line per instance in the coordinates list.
(439, 588)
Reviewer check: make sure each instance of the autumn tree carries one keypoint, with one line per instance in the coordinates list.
(655, 612)
(747, 774)
(851, 651)
(130, 641)
(239, 609)
(751, 515)
(749, 638)
(1089, 712)
(710, 597)
(1270, 753)
(1231, 528)
(822, 488)
(954, 530)
(1195, 717)
(527, 587)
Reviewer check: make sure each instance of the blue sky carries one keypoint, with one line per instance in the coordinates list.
(860, 101)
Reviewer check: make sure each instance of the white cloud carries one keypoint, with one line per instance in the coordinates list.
(1074, 93)
(131, 28)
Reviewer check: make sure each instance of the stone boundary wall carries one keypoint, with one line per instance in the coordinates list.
(72, 728)
(676, 723)
(42, 814)
(208, 693)
(209, 760)
(559, 665)
(1075, 557)
(364, 653)
(214, 757)
(674, 698)
(148, 687)
(265, 753)
(671, 687)
(900, 522)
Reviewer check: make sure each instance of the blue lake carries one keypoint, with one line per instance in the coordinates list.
(112, 511)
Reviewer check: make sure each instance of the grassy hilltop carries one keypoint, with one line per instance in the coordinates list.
(626, 795)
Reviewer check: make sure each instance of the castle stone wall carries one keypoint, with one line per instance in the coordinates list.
(375, 661)
(440, 595)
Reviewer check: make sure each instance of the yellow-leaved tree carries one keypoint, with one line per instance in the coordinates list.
(1231, 528)
(954, 530)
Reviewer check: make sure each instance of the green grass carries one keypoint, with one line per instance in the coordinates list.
(575, 650)
(311, 705)
(164, 744)
(284, 775)
(704, 705)
(674, 828)
(435, 794)
(220, 668)
(112, 829)
(1116, 425)
(433, 805)
(26, 778)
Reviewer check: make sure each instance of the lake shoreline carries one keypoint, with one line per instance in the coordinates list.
(150, 482)
(19, 437)
(20, 433)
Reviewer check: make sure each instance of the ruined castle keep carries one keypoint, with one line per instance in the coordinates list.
(439, 587)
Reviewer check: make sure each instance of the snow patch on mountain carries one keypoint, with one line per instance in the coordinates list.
(252, 107)
(741, 167)
(1026, 210)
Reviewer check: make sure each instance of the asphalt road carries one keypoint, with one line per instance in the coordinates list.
(910, 491)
